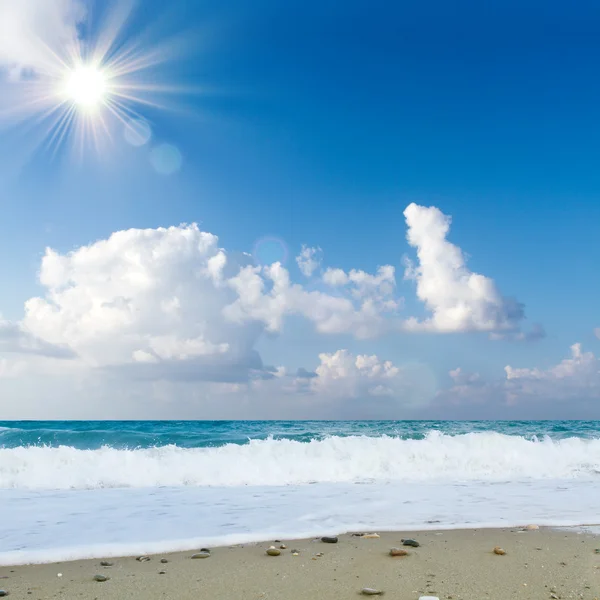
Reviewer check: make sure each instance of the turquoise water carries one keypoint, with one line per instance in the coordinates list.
(201, 434)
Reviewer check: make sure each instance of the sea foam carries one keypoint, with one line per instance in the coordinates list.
(485, 456)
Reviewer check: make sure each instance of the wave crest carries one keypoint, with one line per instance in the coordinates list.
(484, 456)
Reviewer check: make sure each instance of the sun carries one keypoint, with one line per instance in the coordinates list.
(84, 91)
(86, 87)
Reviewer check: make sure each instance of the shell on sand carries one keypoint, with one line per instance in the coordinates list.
(371, 592)
(499, 551)
(370, 535)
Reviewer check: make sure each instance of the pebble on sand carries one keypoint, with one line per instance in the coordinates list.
(329, 539)
(106, 563)
(371, 592)
(531, 527)
(272, 551)
(164, 561)
(143, 558)
(201, 555)
(283, 547)
(370, 535)
(410, 542)
(101, 578)
(499, 551)
(398, 552)
(3, 593)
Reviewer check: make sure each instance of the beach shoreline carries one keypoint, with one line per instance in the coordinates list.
(459, 563)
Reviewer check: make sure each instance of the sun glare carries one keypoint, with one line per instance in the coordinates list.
(86, 87)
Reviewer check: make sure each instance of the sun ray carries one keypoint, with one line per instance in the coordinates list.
(79, 92)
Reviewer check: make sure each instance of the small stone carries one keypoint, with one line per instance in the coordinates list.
(161, 572)
(371, 592)
(205, 550)
(283, 547)
(531, 527)
(273, 551)
(3, 593)
(295, 554)
(370, 535)
(597, 550)
(554, 596)
(143, 558)
(499, 551)
(201, 555)
(330, 539)
(410, 542)
(106, 563)
(294, 551)
(164, 561)
(319, 554)
(101, 578)
(398, 552)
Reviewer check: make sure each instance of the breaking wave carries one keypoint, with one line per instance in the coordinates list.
(486, 456)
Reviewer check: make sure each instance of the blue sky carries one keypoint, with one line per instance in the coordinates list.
(319, 124)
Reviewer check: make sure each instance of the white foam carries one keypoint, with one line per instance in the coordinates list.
(63, 525)
(485, 456)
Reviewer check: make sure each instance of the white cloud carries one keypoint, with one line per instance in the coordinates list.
(169, 309)
(267, 295)
(170, 302)
(335, 277)
(577, 378)
(458, 299)
(139, 296)
(309, 260)
(573, 383)
(355, 386)
(597, 332)
(30, 30)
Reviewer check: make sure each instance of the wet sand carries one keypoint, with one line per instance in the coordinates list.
(547, 563)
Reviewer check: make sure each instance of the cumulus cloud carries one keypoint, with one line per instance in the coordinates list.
(266, 295)
(167, 313)
(30, 28)
(171, 303)
(458, 299)
(309, 260)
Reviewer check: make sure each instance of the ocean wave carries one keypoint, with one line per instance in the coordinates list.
(438, 457)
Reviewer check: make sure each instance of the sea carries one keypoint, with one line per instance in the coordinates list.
(83, 489)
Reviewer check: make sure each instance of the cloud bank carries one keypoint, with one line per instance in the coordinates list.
(168, 322)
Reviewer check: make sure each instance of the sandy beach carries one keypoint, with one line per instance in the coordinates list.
(459, 564)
